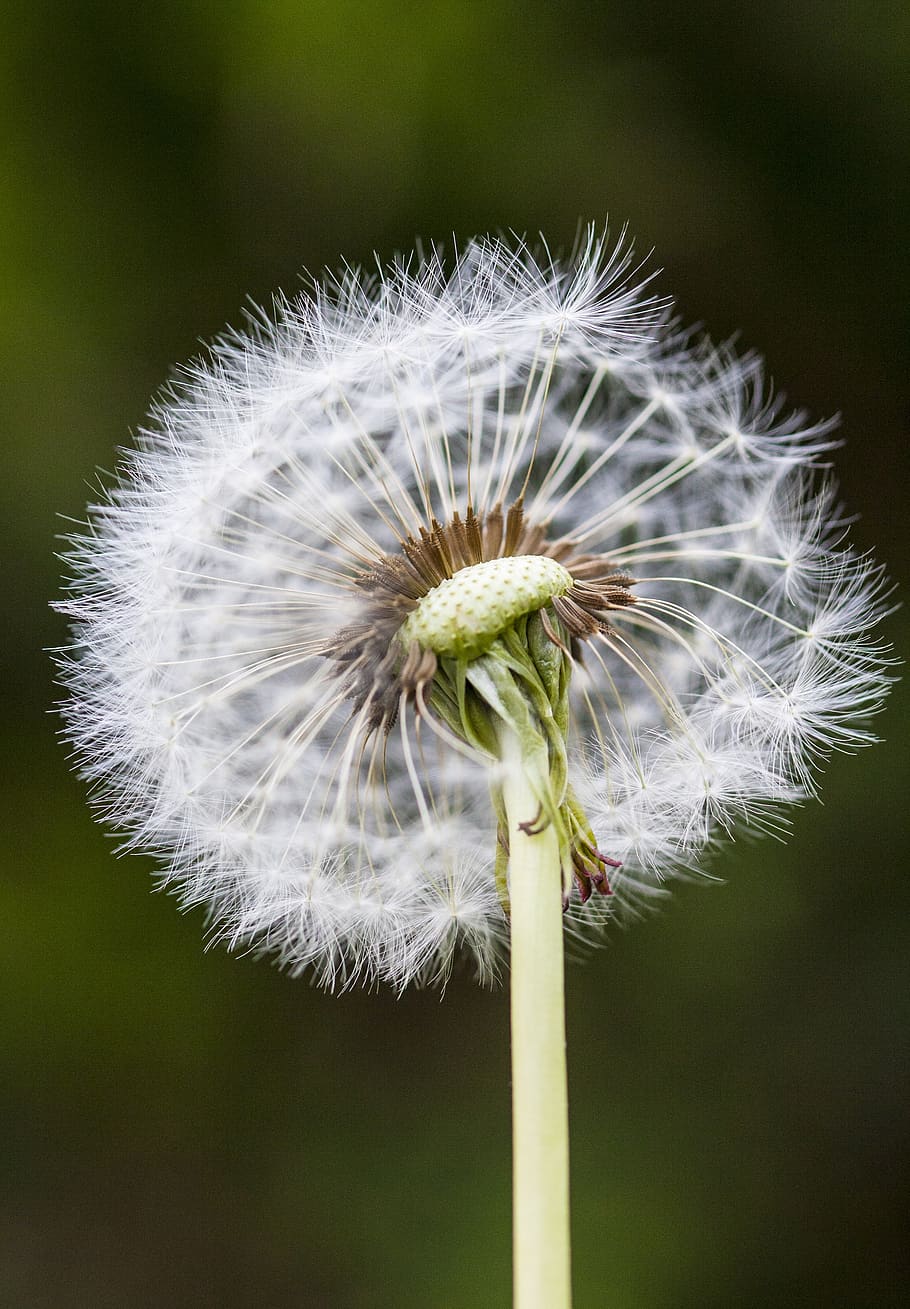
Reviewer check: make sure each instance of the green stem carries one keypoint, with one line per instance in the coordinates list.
(540, 1116)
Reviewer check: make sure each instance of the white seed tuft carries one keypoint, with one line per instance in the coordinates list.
(282, 470)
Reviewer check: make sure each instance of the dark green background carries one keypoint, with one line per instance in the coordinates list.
(188, 1129)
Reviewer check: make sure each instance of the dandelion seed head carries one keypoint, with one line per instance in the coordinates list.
(270, 689)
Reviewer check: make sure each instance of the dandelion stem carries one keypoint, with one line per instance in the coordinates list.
(540, 1115)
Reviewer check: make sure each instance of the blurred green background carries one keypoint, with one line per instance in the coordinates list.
(188, 1129)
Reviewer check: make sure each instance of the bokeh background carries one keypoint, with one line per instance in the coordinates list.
(188, 1129)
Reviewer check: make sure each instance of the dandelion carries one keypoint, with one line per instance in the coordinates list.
(446, 610)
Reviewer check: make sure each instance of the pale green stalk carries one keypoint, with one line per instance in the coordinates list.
(540, 1114)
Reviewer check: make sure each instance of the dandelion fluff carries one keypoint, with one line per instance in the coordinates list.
(241, 696)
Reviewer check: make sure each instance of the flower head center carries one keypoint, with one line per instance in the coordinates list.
(463, 615)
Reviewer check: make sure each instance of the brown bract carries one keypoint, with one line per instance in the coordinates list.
(372, 662)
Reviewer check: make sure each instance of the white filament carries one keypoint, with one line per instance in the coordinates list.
(299, 452)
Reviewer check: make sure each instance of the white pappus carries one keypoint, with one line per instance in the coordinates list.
(237, 693)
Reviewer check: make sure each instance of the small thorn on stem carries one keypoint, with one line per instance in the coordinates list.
(535, 826)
